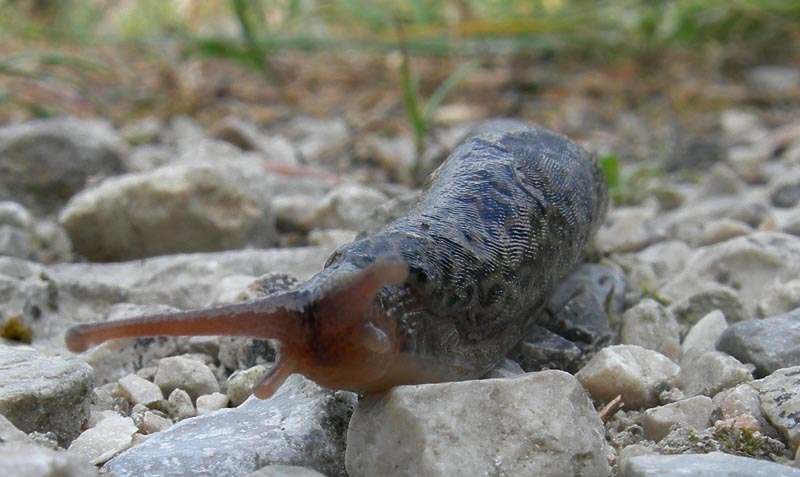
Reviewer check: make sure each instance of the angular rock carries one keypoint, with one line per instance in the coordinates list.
(704, 333)
(715, 464)
(707, 298)
(107, 438)
(540, 423)
(180, 405)
(543, 349)
(44, 162)
(750, 265)
(779, 299)
(769, 343)
(723, 229)
(656, 264)
(152, 423)
(693, 413)
(628, 229)
(179, 208)
(43, 393)
(709, 372)
(652, 326)
(29, 460)
(302, 424)
(178, 372)
(140, 391)
(779, 394)
(633, 372)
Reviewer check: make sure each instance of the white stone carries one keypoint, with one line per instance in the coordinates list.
(709, 372)
(188, 374)
(139, 391)
(723, 229)
(704, 333)
(693, 413)
(652, 326)
(628, 229)
(631, 371)
(779, 299)
(750, 264)
(538, 424)
(211, 402)
(109, 437)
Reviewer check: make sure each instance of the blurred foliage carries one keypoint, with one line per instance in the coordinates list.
(594, 28)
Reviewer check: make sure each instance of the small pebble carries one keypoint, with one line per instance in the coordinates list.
(651, 326)
(241, 382)
(770, 343)
(181, 404)
(109, 437)
(140, 391)
(715, 464)
(704, 333)
(188, 374)
(631, 371)
(693, 413)
(153, 422)
(211, 402)
(709, 372)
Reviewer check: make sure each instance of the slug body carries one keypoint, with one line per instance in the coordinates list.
(440, 294)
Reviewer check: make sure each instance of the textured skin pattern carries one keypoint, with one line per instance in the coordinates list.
(504, 218)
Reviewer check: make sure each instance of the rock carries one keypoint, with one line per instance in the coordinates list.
(178, 208)
(148, 157)
(15, 215)
(152, 423)
(107, 438)
(780, 298)
(9, 434)
(719, 180)
(707, 298)
(344, 207)
(656, 264)
(542, 349)
(211, 402)
(192, 376)
(651, 326)
(779, 394)
(182, 132)
(302, 424)
(715, 464)
(506, 368)
(693, 413)
(786, 194)
(704, 334)
(15, 242)
(709, 372)
(769, 343)
(248, 137)
(318, 138)
(633, 372)
(748, 264)
(142, 131)
(629, 229)
(29, 460)
(774, 80)
(396, 154)
(241, 382)
(540, 423)
(742, 126)
(284, 471)
(140, 391)
(393, 209)
(723, 229)
(44, 162)
(181, 405)
(792, 223)
(687, 223)
(43, 393)
(579, 304)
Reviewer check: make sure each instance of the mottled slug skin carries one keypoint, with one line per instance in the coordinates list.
(499, 222)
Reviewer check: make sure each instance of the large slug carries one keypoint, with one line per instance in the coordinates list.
(440, 294)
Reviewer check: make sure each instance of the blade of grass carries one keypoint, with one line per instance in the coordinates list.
(255, 50)
(449, 84)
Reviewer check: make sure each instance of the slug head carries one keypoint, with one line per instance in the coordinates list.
(337, 336)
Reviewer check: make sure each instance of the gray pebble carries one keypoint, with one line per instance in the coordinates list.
(769, 343)
(715, 464)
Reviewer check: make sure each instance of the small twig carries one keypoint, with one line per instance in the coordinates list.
(611, 408)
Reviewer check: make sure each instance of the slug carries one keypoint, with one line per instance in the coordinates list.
(441, 294)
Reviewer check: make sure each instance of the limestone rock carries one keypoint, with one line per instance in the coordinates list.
(540, 423)
(44, 393)
(631, 371)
